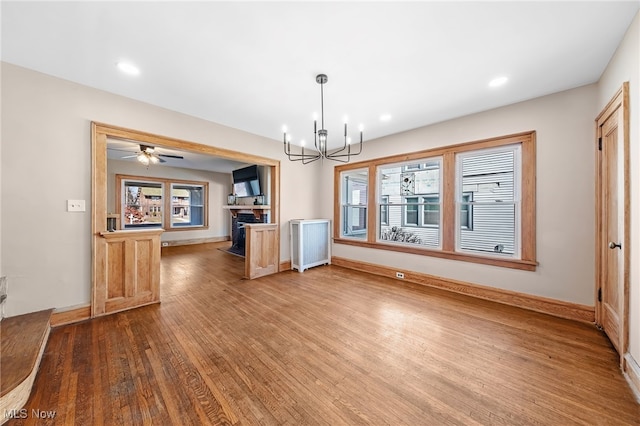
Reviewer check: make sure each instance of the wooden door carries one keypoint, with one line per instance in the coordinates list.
(612, 217)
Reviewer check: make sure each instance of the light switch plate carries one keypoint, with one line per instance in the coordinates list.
(75, 206)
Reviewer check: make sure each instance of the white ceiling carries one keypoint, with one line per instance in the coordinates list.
(252, 65)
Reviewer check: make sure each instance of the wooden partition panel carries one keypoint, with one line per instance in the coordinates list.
(261, 250)
(132, 278)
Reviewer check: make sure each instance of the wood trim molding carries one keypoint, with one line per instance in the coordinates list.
(285, 266)
(337, 190)
(631, 371)
(435, 152)
(523, 265)
(372, 214)
(545, 305)
(192, 241)
(152, 139)
(70, 315)
(527, 209)
(448, 202)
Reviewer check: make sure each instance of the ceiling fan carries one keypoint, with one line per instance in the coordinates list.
(148, 155)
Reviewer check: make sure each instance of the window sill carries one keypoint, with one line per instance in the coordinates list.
(188, 228)
(525, 265)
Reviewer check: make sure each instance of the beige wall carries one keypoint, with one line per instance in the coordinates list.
(47, 160)
(219, 187)
(625, 66)
(564, 195)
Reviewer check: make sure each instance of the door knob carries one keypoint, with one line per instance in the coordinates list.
(613, 245)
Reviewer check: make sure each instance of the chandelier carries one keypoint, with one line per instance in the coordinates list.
(342, 154)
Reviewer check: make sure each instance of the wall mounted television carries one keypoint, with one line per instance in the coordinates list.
(246, 182)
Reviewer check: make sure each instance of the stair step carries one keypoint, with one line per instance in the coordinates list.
(22, 342)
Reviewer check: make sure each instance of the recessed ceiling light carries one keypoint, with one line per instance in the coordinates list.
(498, 81)
(128, 68)
(385, 117)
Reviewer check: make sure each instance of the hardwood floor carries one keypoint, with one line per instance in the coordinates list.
(329, 346)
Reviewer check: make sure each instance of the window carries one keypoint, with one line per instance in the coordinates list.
(187, 205)
(431, 211)
(466, 211)
(384, 210)
(411, 211)
(410, 198)
(473, 202)
(142, 204)
(142, 201)
(354, 204)
(491, 175)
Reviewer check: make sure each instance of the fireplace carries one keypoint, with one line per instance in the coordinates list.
(238, 232)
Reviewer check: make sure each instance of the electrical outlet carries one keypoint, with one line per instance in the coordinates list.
(400, 275)
(75, 206)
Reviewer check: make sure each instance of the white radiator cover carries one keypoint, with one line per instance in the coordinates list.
(310, 243)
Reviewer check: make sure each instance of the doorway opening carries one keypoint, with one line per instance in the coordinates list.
(101, 268)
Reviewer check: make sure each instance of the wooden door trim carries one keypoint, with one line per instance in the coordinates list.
(619, 100)
(99, 134)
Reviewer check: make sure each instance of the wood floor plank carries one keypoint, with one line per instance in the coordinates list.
(328, 346)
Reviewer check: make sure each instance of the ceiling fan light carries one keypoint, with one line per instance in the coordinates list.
(154, 159)
(143, 159)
